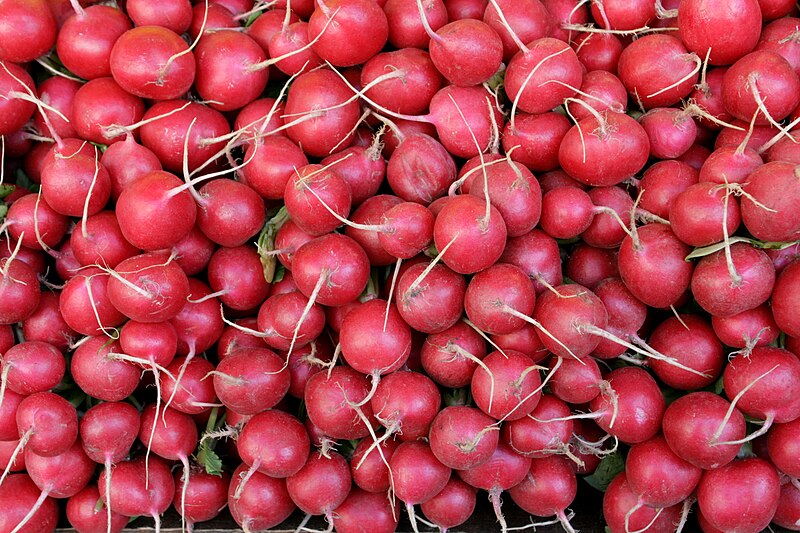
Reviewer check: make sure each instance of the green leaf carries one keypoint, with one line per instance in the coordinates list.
(6, 190)
(266, 243)
(606, 471)
(209, 459)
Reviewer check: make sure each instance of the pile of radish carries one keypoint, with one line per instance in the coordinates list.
(371, 260)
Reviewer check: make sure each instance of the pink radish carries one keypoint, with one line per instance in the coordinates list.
(537, 138)
(48, 424)
(452, 45)
(261, 504)
(361, 24)
(537, 254)
(658, 476)
(691, 341)
(463, 437)
(333, 268)
(101, 375)
(540, 434)
(100, 241)
(762, 82)
(30, 32)
(754, 327)
(453, 506)
(771, 190)
(369, 465)
(406, 403)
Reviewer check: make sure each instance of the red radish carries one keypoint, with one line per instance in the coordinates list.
(8, 416)
(48, 424)
(420, 169)
(784, 300)
(132, 495)
(194, 251)
(409, 95)
(464, 223)
(166, 71)
(547, 430)
(273, 443)
(167, 126)
(101, 242)
(708, 96)
(537, 138)
(548, 489)
(309, 191)
(35, 223)
(504, 470)
(600, 91)
(671, 131)
(199, 323)
(771, 190)
(16, 87)
(751, 382)
(654, 252)
(19, 495)
(658, 476)
(623, 514)
(417, 474)
(691, 341)
(333, 268)
(32, 366)
(125, 161)
(626, 315)
(538, 255)
(448, 357)
(204, 498)
(406, 403)
(289, 320)
(467, 52)
(774, 38)
(215, 16)
(598, 52)
(289, 238)
(726, 285)
(148, 288)
(321, 485)
(362, 167)
(99, 374)
(220, 221)
(788, 513)
(290, 48)
(155, 200)
(658, 83)
(453, 506)
(321, 133)
(782, 444)
(241, 58)
(263, 502)
(363, 507)
(463, 437)
(662, 182)
(524, 340)
(369, 465)
(751, 482)
(612, 204)
(85, 305)
(630, 405)
(698, 214)
(691, 422)
(528, 20)
(695, 17)
(577, 381)
(406, 30)
(507, 386)
(7, 448)
(58, 93)
(175, 15)
(84, 515)
(620, 15)
(331, 399)
(591, 151)
(239, 274)
(62, 475)
(495, 306)
(461, 9)
(102, 111)
(360, 31)
(196, 394)
(541, 75)
(269, 180)
(30, 31)
(86, 39)
(251, 380)
(754, 327)
(76, 187)
(764, 82)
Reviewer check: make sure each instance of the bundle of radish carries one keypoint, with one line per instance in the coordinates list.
(370, 261)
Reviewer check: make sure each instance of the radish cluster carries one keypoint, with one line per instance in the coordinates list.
(365, 258)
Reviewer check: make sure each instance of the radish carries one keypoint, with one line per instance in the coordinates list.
(754, 327)
(577, 380)
(541, 75)
(449, 357)
(452, 506)
(690, 340)
(100, 374)
(748, 380)
(612, 204)
(771, 189)
(784, 300)
(17, 107)
(517, 22)
(623, 514)
(321, 485)
(524, 340)
(360, 31)
(463, 437)
(331, 402)
(626, 316)
(598, 52)
(659, 83)
(204, 498)
(48, 424)
(548, 489)
(35, 224)
(314, 195)
(102, 111)
(86, 38)
(591, 151)
(538, 434)
(166, 71)
(269, 180)
(369, 465)
(773, 38)
(506, 386)
(752, 482)
(175, 15)
(504, 470)
(406, 403)
(782, 446)
(420, 169)
(19, 494)
(496, 309)
(155, 199)
(671, 131)
(655, 252)
(787, 514)
(417, 475)
(697, 16)
(8, 416)
(58, 93)
(196, 394)
(538, 255)
(362, 507)
(289, 320)
(537, 138)
(630, 406)
(662, 182)
(588, 266)
(217, 218)
(135, 493)
(125, 161)
(658, 476)
(32, 366)
(30, 32)
(83, 514)
(734, 280)
(467, 52)
(362, 167)
(148, 288)
(761, 81)
(411, 94)
(261, 504)
(406, 30)
(704, 214)
(251, 380)
(100, 241)
(238, 273)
